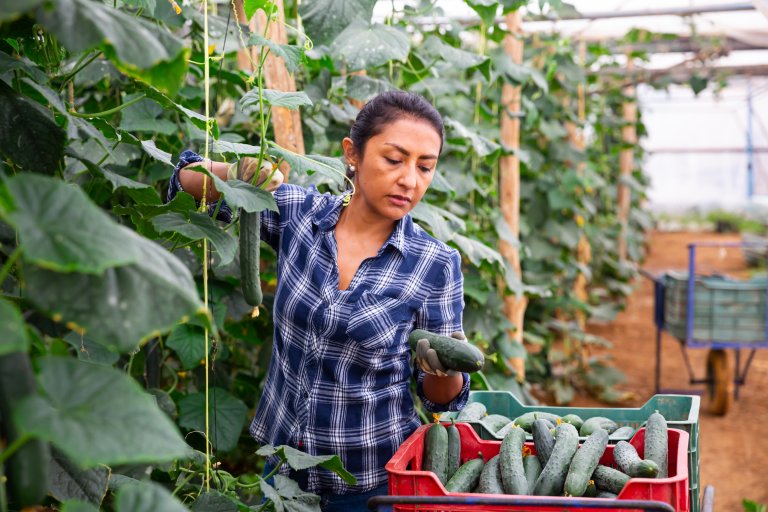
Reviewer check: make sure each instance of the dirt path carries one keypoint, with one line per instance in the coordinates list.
(733, 448)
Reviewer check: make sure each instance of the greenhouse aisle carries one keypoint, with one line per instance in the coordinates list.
(733, 447)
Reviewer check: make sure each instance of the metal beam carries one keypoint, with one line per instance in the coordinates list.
(674, 11)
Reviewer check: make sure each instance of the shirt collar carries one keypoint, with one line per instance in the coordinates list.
(327, 217)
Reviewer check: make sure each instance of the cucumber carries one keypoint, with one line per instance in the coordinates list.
(552, 478)
(591, 491)
(490, 478)
(526, 420)
(623, 433)
(250, 257)
(499, 434)
(606, 494)
(511, 462)
(467, 477)
(584, 463)
(495, 422)
(532, 469)
(454, 450)
(474, 411)
(436, 451)
(656, 443)
(543, 440)
(609, 479)
(629, 461)
(453, 354)
(592, 424)
(573, 419)
(27, 469)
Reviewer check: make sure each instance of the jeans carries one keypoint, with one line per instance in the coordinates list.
(330, 502)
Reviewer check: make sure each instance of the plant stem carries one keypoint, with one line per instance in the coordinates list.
(183, 483)
(9, 264)
(78, 67)
(14, 446)
(110, 111)
(274, 471)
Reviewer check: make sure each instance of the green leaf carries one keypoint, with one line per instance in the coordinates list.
(456, 57)
(196, 226)
(144, 496)
(188, 343)
(14, 329)
(214, 501)
(235, 148)
(136, 46)
(482, 146)
(365, 46)
(230, 414)
(363, 88)
(126, 304)
(69, 482)
(325, 19)
(291, 54)
(28, 134)
(251, 6)
(240, 194)
(50, 216)
(196, 118)
(271, 494)
(486, 9)
(23, 64)
(97, 415)
(294, 499)
(9, 11)
(308, 164)
(157, 154)
(443, 223)
(290, 100)
(90, 351)
(505, 232)
(299, 460)
(753, 506)
(477, 251)
(144, 116)
(78, 506)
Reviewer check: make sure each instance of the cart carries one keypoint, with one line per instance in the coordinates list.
(712, 312)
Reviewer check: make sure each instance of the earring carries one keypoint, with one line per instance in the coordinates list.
(352, 168)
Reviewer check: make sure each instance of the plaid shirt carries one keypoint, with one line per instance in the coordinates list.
(338, 380)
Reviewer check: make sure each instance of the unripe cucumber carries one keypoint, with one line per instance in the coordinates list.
(472, 412)
(490, 478)
(454, 450)
(609, 479)
(453, 354)
(552, 478)
(596, 422)
(629, 461)
(532, 469)
(250, 257)
(573, 419)
(584, 463)
(511, 462)
(657, 442)
(526, 420)
(543, 440)
(467, 476)
(436, 451)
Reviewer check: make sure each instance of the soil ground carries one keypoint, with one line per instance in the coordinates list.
(733, 448)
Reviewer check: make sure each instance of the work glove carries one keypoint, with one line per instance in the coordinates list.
(428, 361)
(246, 167)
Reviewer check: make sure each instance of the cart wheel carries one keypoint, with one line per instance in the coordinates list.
(719, 382)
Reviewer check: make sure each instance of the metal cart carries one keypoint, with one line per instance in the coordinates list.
(712, 312)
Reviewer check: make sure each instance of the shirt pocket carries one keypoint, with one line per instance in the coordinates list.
(374, 320)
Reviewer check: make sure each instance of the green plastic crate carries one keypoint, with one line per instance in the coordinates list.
(680, 411)
(725, 310)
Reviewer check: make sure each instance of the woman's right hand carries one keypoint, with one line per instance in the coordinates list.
(247, 167)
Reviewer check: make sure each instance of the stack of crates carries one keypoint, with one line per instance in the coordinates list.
(680, 411)
(725, 310)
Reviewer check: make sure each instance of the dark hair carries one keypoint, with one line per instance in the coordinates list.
(388, 107)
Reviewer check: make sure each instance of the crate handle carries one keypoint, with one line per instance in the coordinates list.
(520, 501)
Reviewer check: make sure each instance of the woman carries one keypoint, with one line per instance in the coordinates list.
(353, 282)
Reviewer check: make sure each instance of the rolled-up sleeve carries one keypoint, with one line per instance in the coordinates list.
(441, 314)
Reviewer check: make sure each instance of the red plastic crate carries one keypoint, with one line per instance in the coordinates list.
(407, 479)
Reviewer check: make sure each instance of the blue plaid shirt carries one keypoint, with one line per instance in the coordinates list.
(338, 380)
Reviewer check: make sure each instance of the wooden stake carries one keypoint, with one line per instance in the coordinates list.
(626, 161)
(286, 123)
(509, 180)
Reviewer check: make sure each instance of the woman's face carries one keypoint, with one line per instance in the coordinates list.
(396, 168)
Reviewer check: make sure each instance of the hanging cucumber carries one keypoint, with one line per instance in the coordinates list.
(27, 469)
(250, 257)
(454, 354)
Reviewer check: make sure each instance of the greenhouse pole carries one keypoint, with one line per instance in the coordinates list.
(509, 181)
(286, 123)
(626, 160)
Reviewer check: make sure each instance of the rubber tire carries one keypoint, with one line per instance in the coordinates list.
(719, 392)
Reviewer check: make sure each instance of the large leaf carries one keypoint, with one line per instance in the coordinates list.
(144, 116)
(309, 164)
(28, 134)
(90, 351)
(188, 343)
(481, 145)
(239, 194)
(196, 118)
(443, 224)
(158, 154)
(325, 19)
(364, 88)
(97, 415)
(61, 229)
(69, 482)
(456, 57)
(12, 10)
(230, 414)
(291, 54)
(136, 46)
(8, 63)
(365, 46)
(289, 100)
(299, 460)
(214, 501)
(197, 226)
(477, 251)
(126, 304)
(78, 506)
(14, 329)
(143, 496)
(293, 498)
